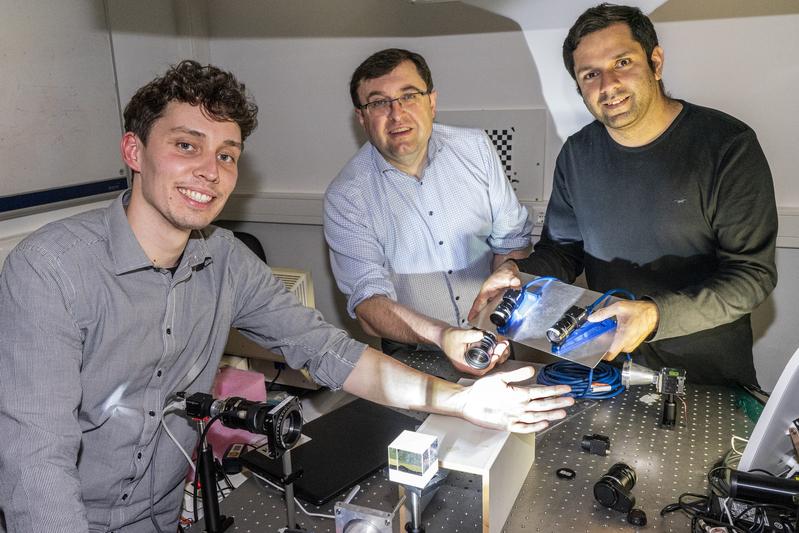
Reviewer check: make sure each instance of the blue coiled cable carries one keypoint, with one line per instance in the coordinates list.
(536, 281)
(580, 377)
(601, 300)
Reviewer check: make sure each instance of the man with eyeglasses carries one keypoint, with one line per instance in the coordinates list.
(419, 216)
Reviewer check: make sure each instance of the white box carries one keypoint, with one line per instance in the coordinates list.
(502, 459)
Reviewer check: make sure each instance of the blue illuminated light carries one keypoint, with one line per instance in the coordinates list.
(583, 334)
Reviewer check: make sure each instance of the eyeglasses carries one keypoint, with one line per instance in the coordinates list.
(383, 107)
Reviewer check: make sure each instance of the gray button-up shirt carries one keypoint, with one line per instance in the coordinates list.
(94, 341)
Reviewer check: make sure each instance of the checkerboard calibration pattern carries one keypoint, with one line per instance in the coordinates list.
(503, 142)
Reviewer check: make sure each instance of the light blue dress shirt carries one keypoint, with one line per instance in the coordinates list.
(426, 243)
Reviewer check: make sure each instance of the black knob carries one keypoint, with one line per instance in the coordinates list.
(636, 517)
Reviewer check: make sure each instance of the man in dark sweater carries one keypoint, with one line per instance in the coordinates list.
(669, 200)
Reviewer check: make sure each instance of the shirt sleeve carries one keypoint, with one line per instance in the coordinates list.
(273, 317)
(743, 214)
(356, 255)
(511, 226)
(559, 252)
(40, 391)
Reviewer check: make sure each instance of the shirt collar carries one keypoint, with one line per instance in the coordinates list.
(128, 254)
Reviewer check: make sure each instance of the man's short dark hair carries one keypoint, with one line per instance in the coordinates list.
(218, 93)
(604, 15)
(381, 63)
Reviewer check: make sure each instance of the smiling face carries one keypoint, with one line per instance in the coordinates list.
(187, 170)
(616, 82)
(401, 135)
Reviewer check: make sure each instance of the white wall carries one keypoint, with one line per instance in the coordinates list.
(308, 129)
(746, 67)
(150, 35)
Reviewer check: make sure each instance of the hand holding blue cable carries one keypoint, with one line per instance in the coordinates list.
(636, 321)
(601, 382)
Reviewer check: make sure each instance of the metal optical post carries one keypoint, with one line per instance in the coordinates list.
(418, 495)
(288, 489)
(415, 525)
(206, 470)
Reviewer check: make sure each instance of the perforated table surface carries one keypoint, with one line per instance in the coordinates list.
(667, 462)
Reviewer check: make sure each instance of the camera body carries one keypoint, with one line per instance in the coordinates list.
(501, 316)
(281, 421)
(671, 381)
(666, 380)
(479, 355)
(595, 444)
(572, 319)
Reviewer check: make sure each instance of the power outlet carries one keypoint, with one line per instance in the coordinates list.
(539, 213)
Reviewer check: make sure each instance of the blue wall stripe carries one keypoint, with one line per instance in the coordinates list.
(33, 199)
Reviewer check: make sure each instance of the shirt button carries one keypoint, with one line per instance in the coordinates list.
(169, 331)
(457, 297)
(463, 320)
(124, 497)
(159, 373)
(440, 242)
(431, 213)
(138, 455)
(449, 271)
(151, 413)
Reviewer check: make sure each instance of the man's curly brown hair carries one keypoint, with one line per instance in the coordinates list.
(218, 93)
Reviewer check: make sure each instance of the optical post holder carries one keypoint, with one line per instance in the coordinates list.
(206, 471)
(419, 497)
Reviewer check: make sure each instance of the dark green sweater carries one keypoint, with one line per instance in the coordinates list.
(688, 221)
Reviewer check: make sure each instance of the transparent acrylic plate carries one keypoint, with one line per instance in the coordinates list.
(556, 299)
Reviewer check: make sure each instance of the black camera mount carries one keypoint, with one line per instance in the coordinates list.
(281, 421)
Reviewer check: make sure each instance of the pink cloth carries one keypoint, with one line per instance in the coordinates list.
(234, 382)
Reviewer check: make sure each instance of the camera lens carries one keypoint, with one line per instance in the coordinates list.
(571, 320)
(290, 428)
(613, 489)
(480, 356)
(501, 315)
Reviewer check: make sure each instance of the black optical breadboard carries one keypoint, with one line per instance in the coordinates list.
(346, 446)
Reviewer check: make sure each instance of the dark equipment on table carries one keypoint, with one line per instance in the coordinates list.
(596, 444)
(763, 488)
(613, 489)
(565, 473)
(636, 517)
